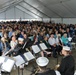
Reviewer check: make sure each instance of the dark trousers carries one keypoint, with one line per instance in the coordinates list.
(59, 49)
(0, 53)
(23, 58)
(54, 49)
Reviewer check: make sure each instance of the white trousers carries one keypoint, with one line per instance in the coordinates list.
(75, 72)
(57, 72)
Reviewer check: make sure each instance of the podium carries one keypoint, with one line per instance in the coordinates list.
(6, 65)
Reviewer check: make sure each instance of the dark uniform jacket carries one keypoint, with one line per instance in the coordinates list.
(28, 42)
(48, 72)
(67, 66)
(19, 49)
(22, 50)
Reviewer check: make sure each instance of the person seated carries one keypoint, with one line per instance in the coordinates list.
(13, 42)
(53, 45)
(5, 45)
(40, 37)
(45, 41)
(21, 46)
(28, 42)
(68, 32)
(67, 66)
(21, 34)
(56, 33)
(20, 49)
(59, 43)
(72, 31)
(48, 50)
(5, 35)
(10, 32)
(42, 62)
(36, 39)
(0, 47)
(65, 40)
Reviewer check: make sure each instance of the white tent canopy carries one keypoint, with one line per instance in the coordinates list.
(58, 10)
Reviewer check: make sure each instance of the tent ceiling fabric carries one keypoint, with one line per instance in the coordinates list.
(43, 8)
(5, 4)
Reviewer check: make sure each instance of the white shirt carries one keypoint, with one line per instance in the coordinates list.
(57, 40)
(51, 41)
(13, 44)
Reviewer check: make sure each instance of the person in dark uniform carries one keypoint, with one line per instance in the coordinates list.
(21, 49)
(67, 66)
(20, 45)
(28, 42)
(43, 70)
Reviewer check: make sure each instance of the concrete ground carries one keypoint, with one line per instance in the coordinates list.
(52, 63)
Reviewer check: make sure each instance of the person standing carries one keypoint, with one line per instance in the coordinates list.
(67, 66)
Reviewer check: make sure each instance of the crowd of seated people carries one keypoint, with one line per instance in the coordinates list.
(55, 36)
